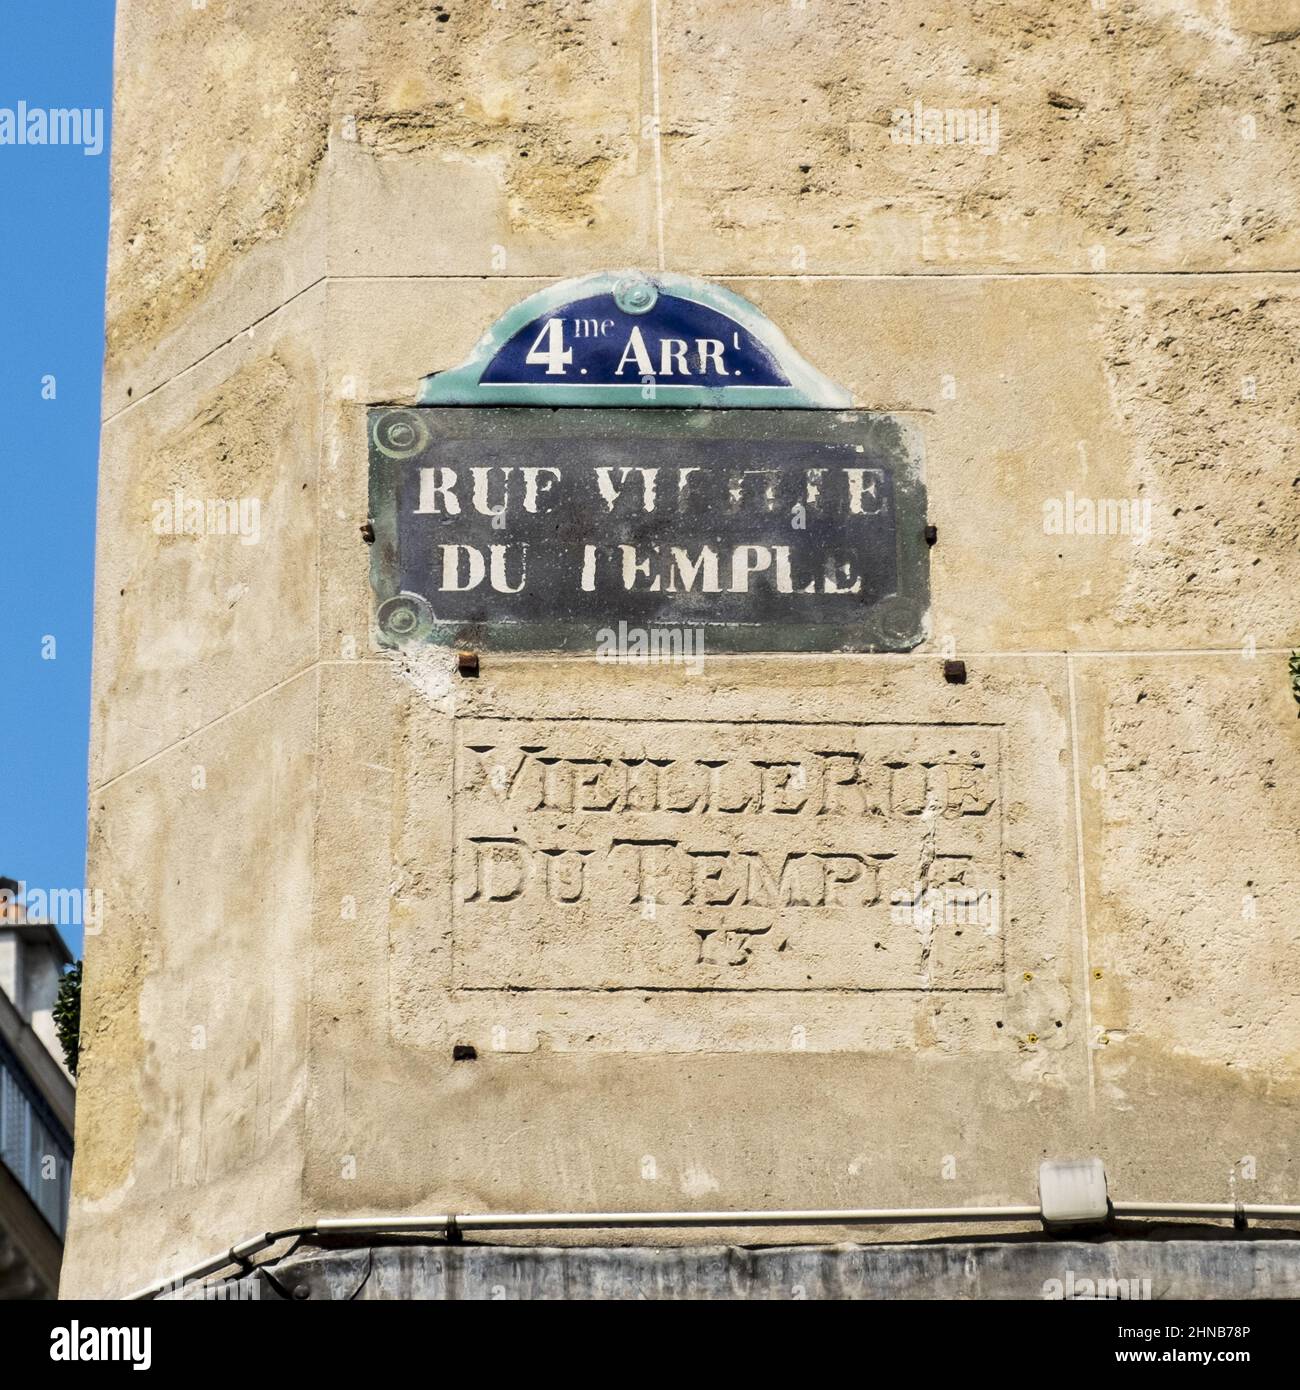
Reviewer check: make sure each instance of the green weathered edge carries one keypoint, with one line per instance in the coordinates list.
(809, 389)
(898, 623)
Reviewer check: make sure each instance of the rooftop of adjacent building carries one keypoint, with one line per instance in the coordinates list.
(36, 1102)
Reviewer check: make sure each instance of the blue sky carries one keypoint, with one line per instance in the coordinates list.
(53, 229)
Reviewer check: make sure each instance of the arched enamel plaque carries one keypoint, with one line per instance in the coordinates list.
(632, 339)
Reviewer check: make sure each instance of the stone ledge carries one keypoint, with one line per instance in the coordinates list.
(1258, 1266)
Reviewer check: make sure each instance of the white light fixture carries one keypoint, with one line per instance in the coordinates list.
(1072, 1191)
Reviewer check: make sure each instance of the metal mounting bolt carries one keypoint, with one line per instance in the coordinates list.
(467, 663)
(954, 672)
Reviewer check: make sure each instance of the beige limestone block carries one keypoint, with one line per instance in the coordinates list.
(195, 1037)
(1107, 137)
(1155, 413)
(228, 303)
(1193, 836)
(207, 535)
(647, 1045)
(1190, 845)
(493, 140)
(530, 115)
(221, 117)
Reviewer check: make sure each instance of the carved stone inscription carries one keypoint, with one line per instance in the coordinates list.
(657, 854)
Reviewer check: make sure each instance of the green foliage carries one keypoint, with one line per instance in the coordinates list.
(67, 1017)
(1294, 667)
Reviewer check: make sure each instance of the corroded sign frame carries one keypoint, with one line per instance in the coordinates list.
(403, 441)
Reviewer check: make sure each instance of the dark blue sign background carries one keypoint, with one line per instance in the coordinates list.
(677, 342)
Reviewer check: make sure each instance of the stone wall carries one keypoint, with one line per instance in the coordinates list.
(1094, 304)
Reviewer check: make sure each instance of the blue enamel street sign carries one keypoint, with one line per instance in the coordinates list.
(620, 339)
(794, 523)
